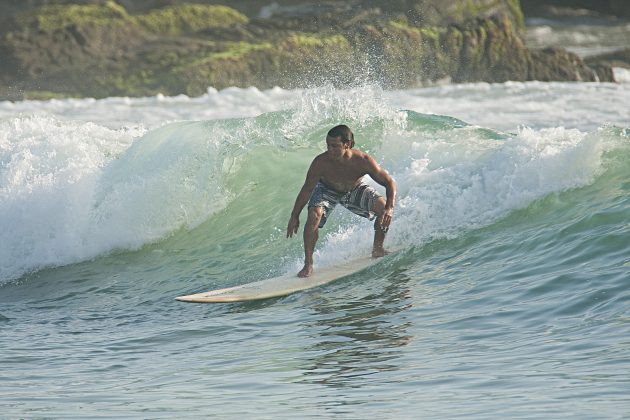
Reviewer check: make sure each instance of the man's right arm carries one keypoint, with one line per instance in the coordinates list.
(312, 177)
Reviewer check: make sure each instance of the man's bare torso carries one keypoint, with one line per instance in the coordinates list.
(344, 174)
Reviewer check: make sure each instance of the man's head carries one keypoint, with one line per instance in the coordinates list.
(344, 133)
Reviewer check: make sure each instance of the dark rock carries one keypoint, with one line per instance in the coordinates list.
(551, 64)
(614, 59)
(604, 63)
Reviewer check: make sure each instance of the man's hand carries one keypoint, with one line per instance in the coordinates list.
(385, 218)
(292, 227)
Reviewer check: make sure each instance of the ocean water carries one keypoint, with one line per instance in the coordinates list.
(509, 299)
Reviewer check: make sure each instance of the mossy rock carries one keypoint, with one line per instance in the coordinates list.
(517, 13)
(558, 64)
(190, 18)
(296, 60)
(171, 20)
(409, 55)
(54, 17)
(492, 52)
(102, 50)
(43, 95)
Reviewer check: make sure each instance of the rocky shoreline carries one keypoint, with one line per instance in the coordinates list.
(125, 48)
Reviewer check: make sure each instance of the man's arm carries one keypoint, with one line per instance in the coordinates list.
(312, 177)
(381, 176)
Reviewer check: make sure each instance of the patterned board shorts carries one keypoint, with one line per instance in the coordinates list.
(360, 200)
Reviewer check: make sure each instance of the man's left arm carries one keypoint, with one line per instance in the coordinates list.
(381, 176)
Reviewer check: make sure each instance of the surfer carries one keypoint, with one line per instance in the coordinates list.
(336, 177)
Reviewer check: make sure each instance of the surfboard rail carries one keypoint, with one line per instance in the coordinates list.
(282, 285)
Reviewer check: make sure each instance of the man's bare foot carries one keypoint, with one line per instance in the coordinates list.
(377, 253)
(306, 271)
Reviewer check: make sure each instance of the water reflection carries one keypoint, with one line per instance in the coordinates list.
(358, 332)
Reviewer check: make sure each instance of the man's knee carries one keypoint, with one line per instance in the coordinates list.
(379, 206)
(315, 215)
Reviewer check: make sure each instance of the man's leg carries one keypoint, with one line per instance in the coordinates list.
(311, 233)
(379, 234)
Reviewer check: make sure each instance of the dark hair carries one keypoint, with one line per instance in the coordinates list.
(344, 132)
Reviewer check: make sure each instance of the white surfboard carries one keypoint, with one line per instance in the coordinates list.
(281, 286)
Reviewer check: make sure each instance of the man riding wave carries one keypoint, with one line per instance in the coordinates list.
(336, 177)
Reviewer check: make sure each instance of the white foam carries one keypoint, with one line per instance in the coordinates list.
(507, 106)
(71, 191)
(152, 112)
(48, 173)
(622, 75)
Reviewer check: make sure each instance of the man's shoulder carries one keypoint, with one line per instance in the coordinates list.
(320, 159)
(361, 157)
(361, 154)
(319, 162)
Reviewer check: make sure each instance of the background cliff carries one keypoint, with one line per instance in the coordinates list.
(133, 48)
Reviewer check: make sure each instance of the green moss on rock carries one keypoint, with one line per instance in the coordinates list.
(238, 50)
(175, 20)
(296, 60)
(312, 41)
(517, 13)
(400, 55)
(55, 17)
(172, 20)
(43, 95)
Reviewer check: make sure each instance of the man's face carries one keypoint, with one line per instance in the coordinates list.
(335, 147)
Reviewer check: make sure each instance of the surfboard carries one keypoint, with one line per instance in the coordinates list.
(281, 286)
